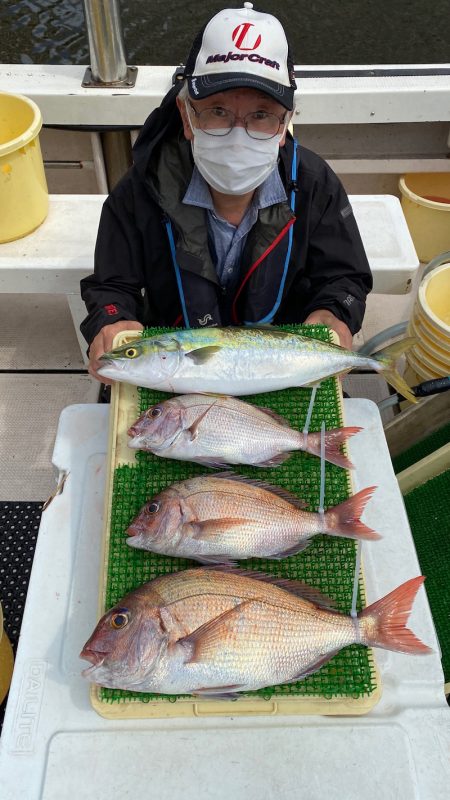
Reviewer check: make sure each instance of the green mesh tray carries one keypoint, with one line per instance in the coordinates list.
(328, 564)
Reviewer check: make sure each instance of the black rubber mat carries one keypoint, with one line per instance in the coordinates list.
(19, 525)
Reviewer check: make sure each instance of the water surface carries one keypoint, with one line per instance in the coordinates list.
(161, 31)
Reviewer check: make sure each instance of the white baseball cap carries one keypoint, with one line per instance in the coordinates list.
(240, 47)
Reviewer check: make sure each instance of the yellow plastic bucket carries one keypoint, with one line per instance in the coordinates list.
(430, 344)
(430, 324)
(416, 373)
(6, 660)
(23, 186)
(426, 206)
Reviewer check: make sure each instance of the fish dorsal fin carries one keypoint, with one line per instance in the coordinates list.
(275, 416)
(304, 591)
(265, 327)
(277, 490)
(294, 587)
(261, 326)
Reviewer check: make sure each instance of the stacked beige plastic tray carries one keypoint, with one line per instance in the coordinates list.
(124, 411)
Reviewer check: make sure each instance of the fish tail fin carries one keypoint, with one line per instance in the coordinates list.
(344, 519)
(383, 624)
(386, 359)
(333, 440)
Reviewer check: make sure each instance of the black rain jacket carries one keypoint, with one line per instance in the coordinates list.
(134, 275)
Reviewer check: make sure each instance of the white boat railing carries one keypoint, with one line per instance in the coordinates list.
(341, 99)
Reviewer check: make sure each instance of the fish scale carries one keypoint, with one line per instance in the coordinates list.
(266, 635)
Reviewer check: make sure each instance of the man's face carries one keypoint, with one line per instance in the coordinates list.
(239, 101)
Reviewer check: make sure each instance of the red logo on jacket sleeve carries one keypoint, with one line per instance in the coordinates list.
(111, 310)
(240, 39)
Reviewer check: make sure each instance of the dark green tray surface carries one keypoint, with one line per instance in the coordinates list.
(328, 564)
(428, 509)
(422, 449)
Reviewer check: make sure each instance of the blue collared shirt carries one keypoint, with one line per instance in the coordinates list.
(227, 241)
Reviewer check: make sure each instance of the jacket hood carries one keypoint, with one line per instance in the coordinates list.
(163, 123)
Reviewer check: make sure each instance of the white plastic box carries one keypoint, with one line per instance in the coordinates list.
(54, 746)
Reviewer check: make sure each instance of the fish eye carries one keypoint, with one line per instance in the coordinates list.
(153, 507)
(119, 619)
(155, 412)
(131, 352)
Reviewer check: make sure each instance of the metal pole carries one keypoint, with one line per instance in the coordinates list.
(108, 62)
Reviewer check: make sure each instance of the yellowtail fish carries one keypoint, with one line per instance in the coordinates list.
(218, 518)
(215, 430)
(241, 361)
(217, 632)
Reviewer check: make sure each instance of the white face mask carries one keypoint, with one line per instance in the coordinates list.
(235, 163)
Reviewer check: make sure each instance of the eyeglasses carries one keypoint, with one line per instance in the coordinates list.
(218, 121)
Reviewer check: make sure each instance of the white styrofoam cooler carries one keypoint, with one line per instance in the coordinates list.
(387, 242)
(54, 746)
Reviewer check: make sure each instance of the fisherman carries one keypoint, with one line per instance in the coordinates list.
(224, 219)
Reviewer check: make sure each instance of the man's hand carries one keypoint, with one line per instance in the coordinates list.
(324, 317)
(103, 342)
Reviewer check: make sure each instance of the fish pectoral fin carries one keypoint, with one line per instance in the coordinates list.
(291, 551)
(193, 430)
(211, 528)
(202, 355)
(209, 639)
(314, 666)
